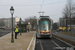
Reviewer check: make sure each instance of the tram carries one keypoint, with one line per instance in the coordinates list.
(44, 27)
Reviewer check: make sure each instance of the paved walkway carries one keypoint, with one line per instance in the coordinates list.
(72, 38)
(22, 43)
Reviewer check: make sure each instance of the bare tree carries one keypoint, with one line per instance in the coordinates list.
(67, 13)
(70, 11)
(33, 21)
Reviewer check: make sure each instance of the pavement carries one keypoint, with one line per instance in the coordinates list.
(72, 38)
(23, 42)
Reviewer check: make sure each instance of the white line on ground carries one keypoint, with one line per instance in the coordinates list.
(31, 42)
(41, 45)
(56, 44)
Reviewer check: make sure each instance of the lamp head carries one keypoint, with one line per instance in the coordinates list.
(11, 10)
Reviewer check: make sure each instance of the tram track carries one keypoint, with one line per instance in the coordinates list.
(57, 45)
(50, 44)
(41, 45)
(4, 32)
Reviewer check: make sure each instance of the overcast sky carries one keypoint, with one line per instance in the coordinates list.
(27, 8)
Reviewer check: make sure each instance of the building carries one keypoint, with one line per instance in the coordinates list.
(17, 19)
(8, 21)
(62, 22)
(73, 12)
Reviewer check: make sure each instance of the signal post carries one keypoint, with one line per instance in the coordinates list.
(29, 26)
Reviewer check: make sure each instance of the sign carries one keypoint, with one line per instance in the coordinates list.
(29, 22)
(15, 23)
(64, 28)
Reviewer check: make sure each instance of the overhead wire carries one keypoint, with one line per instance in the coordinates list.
(20, 5)
(55, 3)
(36, 5)
(41, 5)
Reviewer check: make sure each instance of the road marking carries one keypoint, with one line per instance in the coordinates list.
(56, 44)
(31, 42)
(41, 45)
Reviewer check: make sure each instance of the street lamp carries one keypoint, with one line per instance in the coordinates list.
(20, 26)
(12, 12)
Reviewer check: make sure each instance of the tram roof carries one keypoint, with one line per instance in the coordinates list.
(42, 17)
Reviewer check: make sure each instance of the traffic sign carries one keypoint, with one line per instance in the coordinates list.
(29, 22)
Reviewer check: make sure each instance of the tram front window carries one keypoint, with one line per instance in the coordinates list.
(44, 25)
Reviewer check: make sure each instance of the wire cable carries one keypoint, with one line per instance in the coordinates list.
(41, 5)
(55, 3)
(36, 5)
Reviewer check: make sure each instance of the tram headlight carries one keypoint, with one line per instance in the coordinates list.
(48, 33)
(42, 32)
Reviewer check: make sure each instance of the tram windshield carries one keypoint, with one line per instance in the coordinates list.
(44, 25)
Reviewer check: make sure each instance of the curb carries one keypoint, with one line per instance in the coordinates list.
(65, 41)
(32, 42)
(5, 35)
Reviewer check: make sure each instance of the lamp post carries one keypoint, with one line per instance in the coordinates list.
(12, 12)
(20, 26)
(29, 26)
(66, 22)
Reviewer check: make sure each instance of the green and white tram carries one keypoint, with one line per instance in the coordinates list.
(44, 27)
